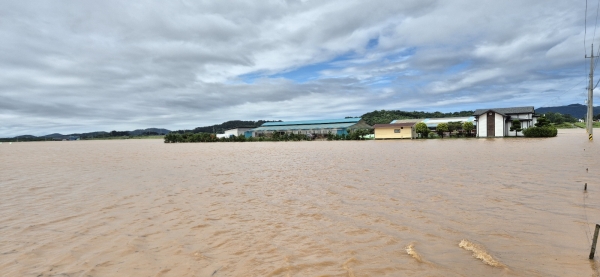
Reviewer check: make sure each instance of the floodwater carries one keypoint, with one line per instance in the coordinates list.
(452, 207)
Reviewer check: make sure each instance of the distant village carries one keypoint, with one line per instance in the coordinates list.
(494, 122)
(379, 124)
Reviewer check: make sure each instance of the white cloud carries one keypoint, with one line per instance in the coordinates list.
(104, 65)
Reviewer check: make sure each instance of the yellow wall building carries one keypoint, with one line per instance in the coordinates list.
(404, 130)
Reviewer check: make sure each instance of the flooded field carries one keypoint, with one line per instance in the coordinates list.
(466, 207)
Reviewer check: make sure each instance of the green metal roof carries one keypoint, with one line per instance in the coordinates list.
(312, 122)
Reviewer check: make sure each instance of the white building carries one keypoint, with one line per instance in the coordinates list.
(497, 122)
(234, 132)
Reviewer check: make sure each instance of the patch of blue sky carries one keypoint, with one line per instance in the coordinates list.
(313, 71)
(250, 78)
(401, 56)
(302, 74)
(372, 43)
(381, 82)
(458, 67)
(560, 72)
(305, 73)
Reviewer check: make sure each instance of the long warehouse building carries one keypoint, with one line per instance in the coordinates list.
(335, 126)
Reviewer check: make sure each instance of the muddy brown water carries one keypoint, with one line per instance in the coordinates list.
(452, 207)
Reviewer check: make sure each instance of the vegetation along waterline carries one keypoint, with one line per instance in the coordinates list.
(356, 134)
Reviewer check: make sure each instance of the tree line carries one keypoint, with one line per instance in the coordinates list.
(174, 137)
(387, 116)
(453, 128)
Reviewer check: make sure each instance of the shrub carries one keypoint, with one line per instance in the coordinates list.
(537, 132)
(468, 127)
(421, 129)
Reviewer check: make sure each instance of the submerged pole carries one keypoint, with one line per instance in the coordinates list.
(593, 251)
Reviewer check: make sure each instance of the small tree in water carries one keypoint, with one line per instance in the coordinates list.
(421, 129)
(542, 122)
(454, 126)
(441, 128)
(468, 127)
(516, 126)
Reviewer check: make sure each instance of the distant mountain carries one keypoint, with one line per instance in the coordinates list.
(576, 110)
(25, 137)
(82, 135)
(98, 134)
(220, 128)
(158, 131)
(55, 136)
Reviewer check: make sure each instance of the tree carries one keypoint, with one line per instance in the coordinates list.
(422, 129)
(516, 126)
(441, 128)
(454, 126)
(542, 122)
(468, 126)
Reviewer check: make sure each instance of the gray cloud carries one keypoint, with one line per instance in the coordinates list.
(103, 65)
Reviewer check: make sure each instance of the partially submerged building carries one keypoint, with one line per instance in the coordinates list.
(315, 127)
(240, 131)
(433, 122)
(402, 130)
(497, 122)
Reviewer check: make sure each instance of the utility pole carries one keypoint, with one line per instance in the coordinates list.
(590, 112)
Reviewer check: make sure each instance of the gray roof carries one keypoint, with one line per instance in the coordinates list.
(513, 110)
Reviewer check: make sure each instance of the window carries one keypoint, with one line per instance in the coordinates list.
(396, 130)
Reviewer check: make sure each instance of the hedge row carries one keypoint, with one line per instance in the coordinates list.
(536, 132)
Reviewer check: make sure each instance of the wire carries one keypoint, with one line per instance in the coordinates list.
(596, 24)
(585, 28)
(558, 97)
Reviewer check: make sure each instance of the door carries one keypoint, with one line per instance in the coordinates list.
(491, 125)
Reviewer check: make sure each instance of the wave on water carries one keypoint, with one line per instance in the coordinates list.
(479, 252)
(348, 268)
(410, 249)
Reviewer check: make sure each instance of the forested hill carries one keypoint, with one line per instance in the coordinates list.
(221, 128)
(576, 110)
(385, 117)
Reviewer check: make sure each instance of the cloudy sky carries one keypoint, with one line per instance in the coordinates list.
(80, 66)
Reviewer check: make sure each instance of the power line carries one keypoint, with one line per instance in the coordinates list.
(585, 28)
(596, 24)
(565, 93)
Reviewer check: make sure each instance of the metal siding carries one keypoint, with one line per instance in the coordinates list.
(312, 122)
(388, 133)
(304, 127)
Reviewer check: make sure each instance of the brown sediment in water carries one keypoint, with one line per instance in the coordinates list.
(410, 250)
(145, 208)
(479, 252)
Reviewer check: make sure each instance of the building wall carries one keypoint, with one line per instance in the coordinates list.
(236, 132)
(502, 127)
(482, 125)
(388, 133)
(524, 124)
(499, 125)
